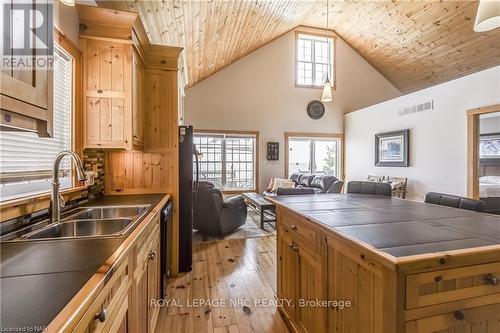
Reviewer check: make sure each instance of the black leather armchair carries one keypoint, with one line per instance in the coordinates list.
(454, 201)
(366, 187)
(213, 216)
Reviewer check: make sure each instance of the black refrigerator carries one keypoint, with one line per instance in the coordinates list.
(187, 192)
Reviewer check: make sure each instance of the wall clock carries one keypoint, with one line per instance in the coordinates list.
(315, 109)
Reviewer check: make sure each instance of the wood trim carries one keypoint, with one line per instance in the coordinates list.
(313, 32)
(316, 135)
(77, 112)
(257, 154)
(473, 121)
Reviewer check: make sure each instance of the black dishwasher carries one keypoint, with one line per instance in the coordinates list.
(166, 236)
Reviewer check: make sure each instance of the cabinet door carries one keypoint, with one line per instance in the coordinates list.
(138, 103)
(26, 94)
(481, 319)
(141, 304)
(309, 316)
(108, 94)
(153, 285)
(287, 272)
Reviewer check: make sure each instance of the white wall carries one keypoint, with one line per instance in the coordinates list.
(66, 20)
(438, 138)
(258, 93)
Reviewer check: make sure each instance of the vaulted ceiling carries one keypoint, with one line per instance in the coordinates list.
(414, 44)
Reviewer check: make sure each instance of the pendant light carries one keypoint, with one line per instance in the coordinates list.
(70, 3)
(326, 96)
(487, 16)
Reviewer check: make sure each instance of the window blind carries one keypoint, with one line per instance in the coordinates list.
(25, 158)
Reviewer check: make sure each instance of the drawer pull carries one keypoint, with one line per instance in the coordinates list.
(492, 279)
(101, 316)
(152, 255)
(458, 315)
(294, 228)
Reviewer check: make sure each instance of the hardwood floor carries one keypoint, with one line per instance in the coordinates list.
(232, 271)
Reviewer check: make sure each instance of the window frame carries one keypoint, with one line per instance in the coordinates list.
(256, 134)
(76, 127)
(325, 136)
(333, 74)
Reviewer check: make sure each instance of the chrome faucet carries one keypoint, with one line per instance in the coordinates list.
(56, 199)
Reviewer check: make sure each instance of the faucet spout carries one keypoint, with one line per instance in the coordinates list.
(55, 199)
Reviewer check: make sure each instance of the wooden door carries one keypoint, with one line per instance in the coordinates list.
(153, 285)
(107, 68)
(310, 317)
(485, 319)
(287, 272)
(359, 281)
(26, 94)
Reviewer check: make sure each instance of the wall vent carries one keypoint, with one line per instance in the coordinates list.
(426, 106)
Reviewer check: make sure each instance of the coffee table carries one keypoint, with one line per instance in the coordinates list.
(264, 208)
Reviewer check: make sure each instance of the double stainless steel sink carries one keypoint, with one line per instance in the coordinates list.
(92, 222)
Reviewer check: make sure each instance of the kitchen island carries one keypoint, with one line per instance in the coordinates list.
(363, 263)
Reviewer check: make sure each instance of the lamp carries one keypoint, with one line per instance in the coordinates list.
(68, 2)
(487, 16)
(326, 96)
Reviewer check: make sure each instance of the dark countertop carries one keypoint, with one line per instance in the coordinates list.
(38, 278)
(395, 226)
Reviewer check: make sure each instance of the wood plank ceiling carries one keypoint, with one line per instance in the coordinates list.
(414, 44)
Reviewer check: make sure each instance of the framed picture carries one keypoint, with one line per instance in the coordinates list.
(489, 145)
(392, 149)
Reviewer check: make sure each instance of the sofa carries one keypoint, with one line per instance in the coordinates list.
(307, 183)
(214, 216)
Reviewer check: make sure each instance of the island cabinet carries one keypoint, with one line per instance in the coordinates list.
(300, 275)
(361, 288)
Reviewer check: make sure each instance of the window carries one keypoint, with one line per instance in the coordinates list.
(314, 155)
(228, 160)
(25, 158)
(314, 60)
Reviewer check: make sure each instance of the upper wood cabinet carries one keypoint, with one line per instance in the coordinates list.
(26, 94)
(107, 68)
(122, 109)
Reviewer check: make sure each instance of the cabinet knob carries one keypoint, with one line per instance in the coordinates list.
(294, 228)
(101, 315)
(492, 279)
(99, 91)
(458, 315)
(294, 247)
(152, 255)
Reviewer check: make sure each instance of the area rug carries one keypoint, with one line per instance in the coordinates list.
(251, 229)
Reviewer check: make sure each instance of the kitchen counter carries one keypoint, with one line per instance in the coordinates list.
(397, 227)
(38, 278)
(404, 266)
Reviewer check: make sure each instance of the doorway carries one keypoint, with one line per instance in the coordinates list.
(483, 136)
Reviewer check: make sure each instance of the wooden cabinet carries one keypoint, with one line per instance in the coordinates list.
(300, 280)
(26, 94)
(485, 319)
(146, 287)
(109, 312)
(107, 85)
